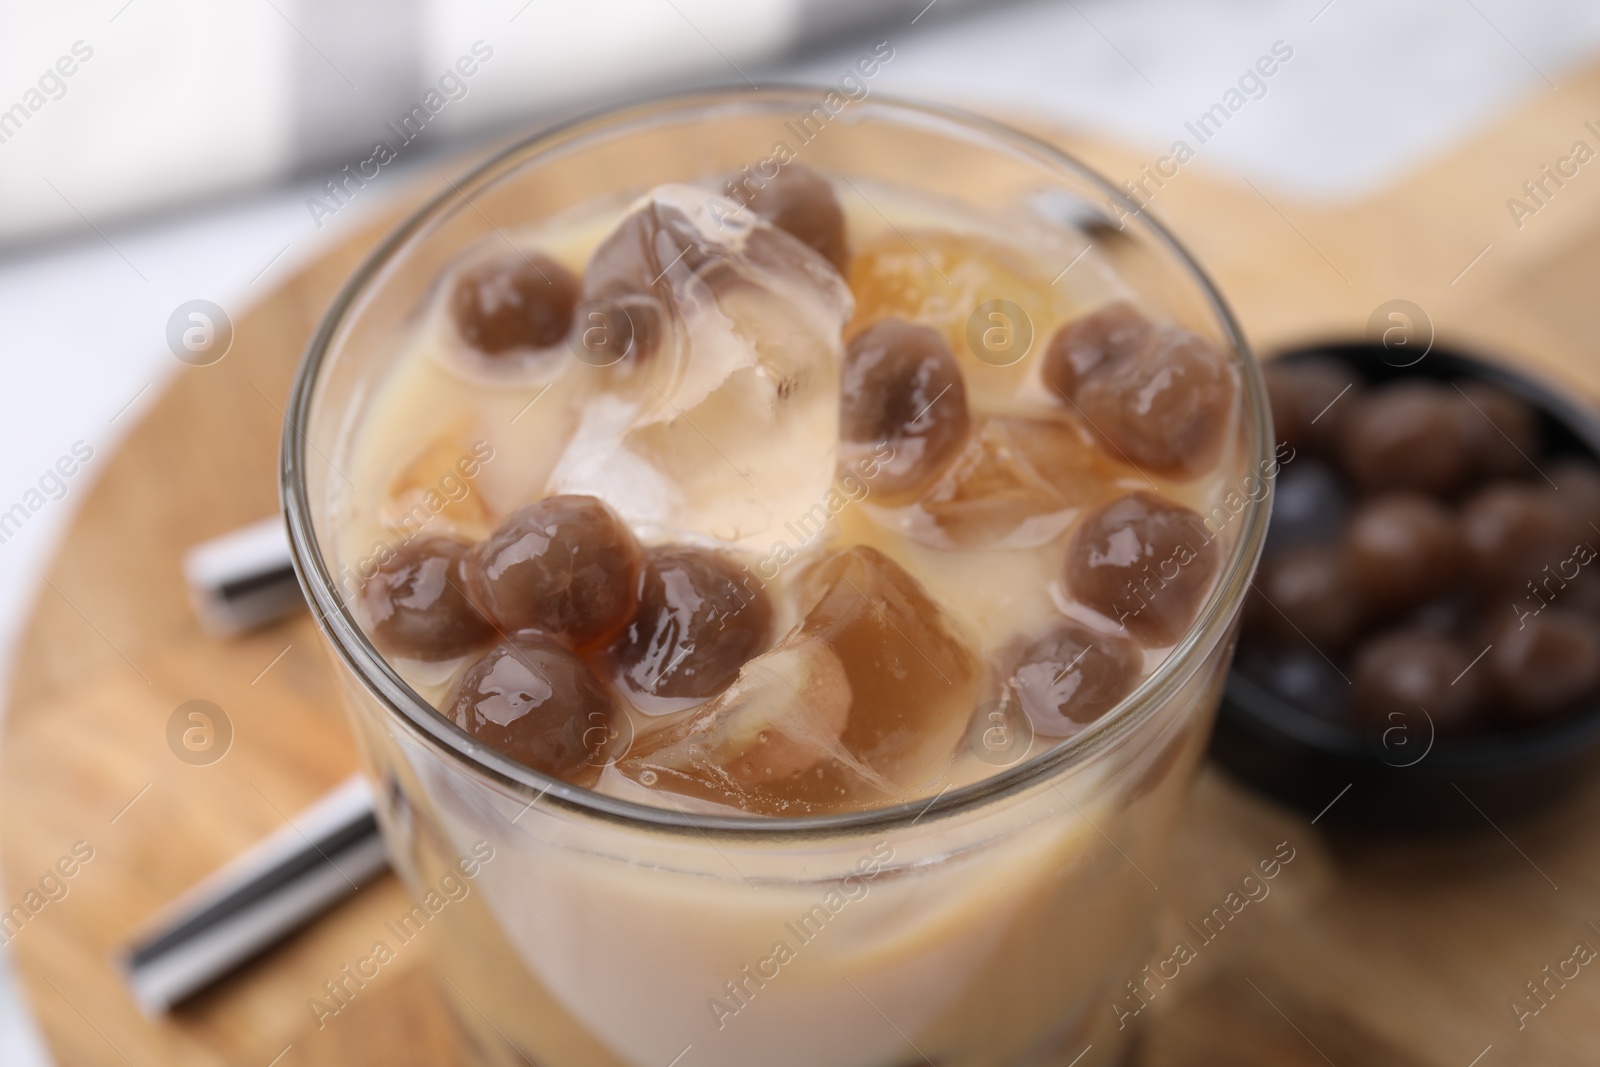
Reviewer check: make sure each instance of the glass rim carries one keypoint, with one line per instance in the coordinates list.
(350, 643)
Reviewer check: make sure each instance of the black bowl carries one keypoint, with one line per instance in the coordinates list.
(1415, 782)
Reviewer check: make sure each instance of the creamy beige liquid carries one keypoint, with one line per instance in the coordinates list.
(1007, 953)
(437, 410)
(989, 939)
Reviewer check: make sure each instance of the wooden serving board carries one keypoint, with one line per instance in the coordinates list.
(1404, 952)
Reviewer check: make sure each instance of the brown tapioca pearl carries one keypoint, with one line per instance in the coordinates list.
(800, 202)
(565, 565)
(1168, 408)
(1310, 398)
(628, 284)
(699, 619)
(1453, 613)
(1513, 531)
(1507, 440)
(517, 302)
(1073, 675)
(1408, 434)
(862, 703)
(1545, 664)
(1572, 580)
(1582, 593)
(1158, 397)
(1309, 593)
(1577, 484)
(1403, 673)
(1108, 335)
(1145, 562)
(417, 604)
(1404, 549)
(902, 388)
(534, 701)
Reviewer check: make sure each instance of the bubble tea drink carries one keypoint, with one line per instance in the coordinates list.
(783, 587)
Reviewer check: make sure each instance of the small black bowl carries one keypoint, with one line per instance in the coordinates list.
(1415, 783)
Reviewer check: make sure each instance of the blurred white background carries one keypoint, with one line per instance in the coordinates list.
(175, 160)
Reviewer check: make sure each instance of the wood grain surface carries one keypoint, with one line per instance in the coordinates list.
(1404, 952)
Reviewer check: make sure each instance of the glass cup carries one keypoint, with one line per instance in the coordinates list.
(991, 925)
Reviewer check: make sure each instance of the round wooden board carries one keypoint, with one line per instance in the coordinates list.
(1417, 946)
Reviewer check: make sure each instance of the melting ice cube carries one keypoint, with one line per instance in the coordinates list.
(1019, 483)
(862, 705)
(726, 424)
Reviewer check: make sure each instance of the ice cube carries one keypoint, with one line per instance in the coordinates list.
(729, 424)
(949, 281)
(862, 705)
(780, 718)
(1018, 484)
(431, 491)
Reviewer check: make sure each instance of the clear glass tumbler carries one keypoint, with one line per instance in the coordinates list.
(989, 926)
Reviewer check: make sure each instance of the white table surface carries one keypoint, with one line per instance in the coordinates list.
(1371, 92)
